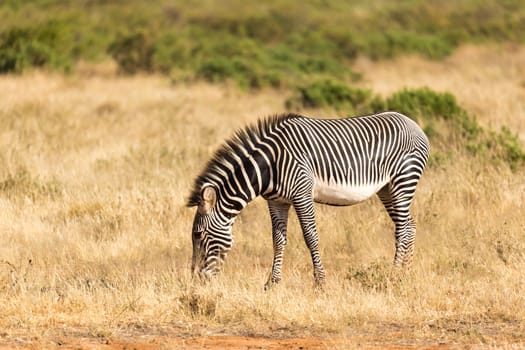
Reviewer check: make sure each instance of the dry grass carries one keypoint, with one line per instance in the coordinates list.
(95, 237)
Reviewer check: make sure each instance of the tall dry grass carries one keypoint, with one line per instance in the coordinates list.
(94, 172)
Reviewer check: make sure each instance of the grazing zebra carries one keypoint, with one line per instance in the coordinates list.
(296, 160)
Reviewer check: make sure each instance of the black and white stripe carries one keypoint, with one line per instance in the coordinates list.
(295, 160)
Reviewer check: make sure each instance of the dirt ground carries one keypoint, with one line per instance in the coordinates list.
(214, 342)
(449, 335)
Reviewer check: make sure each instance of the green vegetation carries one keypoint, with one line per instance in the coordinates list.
(274, 43)
(431, 109)
(36, 46)
(330, 93)
(307, 46)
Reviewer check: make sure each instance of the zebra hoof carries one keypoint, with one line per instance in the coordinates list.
(269, 285)
(319, 285)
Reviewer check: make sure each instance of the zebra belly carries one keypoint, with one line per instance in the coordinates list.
(344, 194)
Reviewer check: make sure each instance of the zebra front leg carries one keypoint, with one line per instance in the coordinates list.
(279, 216)
(305, 213)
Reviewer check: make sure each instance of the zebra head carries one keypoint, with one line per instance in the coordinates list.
(211, 236)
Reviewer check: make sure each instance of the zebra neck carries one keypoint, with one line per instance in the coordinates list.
(242, 179)
(233, 203)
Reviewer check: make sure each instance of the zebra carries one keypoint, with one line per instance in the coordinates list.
(293, 160)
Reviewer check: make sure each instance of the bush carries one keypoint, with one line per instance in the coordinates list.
(320, 39)
(218, 69)
(171, 51)
(47, 45)
(506, 145)
(329, 93)
(430, 107)
(445, 122)
(389, 44)
(345, 43)
(133, 52)
(245, 74)
(264, 27)
(224, 57)
(425, 103)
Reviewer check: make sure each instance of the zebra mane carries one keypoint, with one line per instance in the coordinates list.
(241, 139)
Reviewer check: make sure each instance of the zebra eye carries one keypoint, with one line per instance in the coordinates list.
(198, 233)
(198, 229)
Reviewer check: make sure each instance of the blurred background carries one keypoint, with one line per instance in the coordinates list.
(254, 43)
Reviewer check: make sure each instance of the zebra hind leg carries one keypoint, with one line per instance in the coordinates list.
(279, 217)
(305, 213)
(397, 204)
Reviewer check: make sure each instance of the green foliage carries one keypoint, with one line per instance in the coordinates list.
(133, 52)
(379, 45)
(308, 46)
(430, 108)
(171, 51)
(427, 105)
(46, 45)
(329, 93)
(240, 60)
(245, 74)
(507, 146)
(255, 44)
(423, 102)
(448, 126)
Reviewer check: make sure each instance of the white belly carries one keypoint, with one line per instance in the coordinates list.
(344, 194)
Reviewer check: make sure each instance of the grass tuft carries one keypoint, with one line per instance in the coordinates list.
(22, 184)
(379, 276)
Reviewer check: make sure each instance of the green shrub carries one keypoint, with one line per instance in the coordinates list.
(389, 44)
(329, 93)
(506, 145)
(224, 57)
(345, 42)
(430, 107)
(320, 39)
(265, 27)
(446, 123)
(46, 45)
(427, 105)
(217, 69)
(245, 74)
(171, 51)
(310, 42)
(133, 52)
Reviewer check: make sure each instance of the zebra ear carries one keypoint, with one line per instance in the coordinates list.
(208, 198)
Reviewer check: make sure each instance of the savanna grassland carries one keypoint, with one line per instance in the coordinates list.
(96, 237)
(96, 166)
